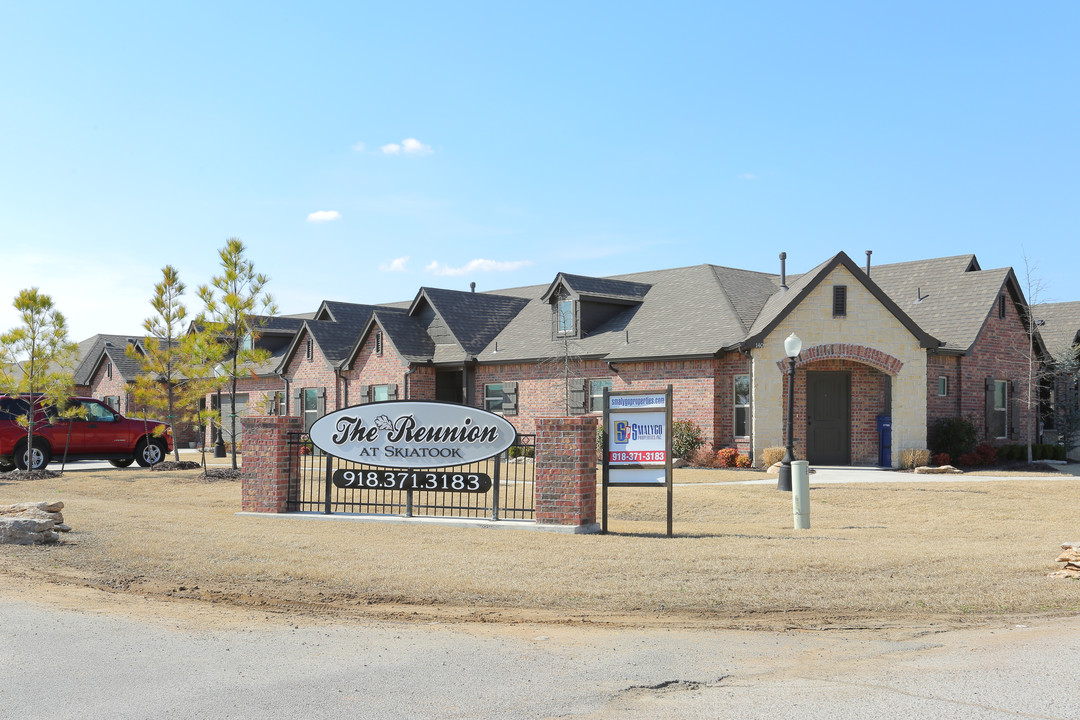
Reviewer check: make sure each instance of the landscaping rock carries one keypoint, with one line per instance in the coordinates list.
(940, 470)
(775, 469)
(31, 523)
(1070, 555)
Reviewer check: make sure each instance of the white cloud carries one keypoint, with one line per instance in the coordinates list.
(478, 265)
(395, 265)
(413, 146)
(409, 146)
(359, 147)
(322, 216)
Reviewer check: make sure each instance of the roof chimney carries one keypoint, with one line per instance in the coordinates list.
(868, 254)
(472, 287)
(783, 271)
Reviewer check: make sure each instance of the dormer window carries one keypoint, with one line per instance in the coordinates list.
(248, 342)
(564, 321)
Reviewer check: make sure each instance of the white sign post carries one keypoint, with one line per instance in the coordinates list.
(637, 443)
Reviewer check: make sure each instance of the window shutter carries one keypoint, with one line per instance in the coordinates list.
(365, 394)
(297, 409)
(1012, 404)
(578, 396)
(321, 402)
(989, 406)
(510, 398)
(391, 392)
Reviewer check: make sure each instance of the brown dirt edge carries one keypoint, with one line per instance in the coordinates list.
(213, 607)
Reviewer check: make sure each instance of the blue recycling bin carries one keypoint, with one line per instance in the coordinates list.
(884, 431)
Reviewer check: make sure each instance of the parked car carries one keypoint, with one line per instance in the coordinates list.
(100, 433)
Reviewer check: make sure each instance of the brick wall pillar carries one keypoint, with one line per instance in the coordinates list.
(566, 470)
(265, 474)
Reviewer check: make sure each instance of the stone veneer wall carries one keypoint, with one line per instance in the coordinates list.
(868, 324)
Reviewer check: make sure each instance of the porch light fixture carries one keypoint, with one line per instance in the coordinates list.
(792, 347)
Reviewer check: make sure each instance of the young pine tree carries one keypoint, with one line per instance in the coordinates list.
(36, 358)
(233, 303)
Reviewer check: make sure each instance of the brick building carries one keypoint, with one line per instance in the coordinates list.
(1059, 326)
(916, 341)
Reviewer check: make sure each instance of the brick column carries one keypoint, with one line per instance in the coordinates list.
(566, 470)
(265, 474)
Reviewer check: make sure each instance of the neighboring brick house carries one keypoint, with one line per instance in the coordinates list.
(1059, 325)
(259, 389)
(106, 372)
(917, 341)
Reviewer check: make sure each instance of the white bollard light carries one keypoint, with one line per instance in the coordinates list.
(800, 493)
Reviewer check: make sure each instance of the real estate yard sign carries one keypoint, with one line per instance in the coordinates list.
(637, 443)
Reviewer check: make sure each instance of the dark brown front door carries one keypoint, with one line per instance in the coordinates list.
(828, 418)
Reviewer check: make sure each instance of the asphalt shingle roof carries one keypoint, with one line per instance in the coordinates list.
(474, 319)
(955, 302)
(1061, 326)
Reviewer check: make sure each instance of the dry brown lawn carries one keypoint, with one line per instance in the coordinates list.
(877, 554)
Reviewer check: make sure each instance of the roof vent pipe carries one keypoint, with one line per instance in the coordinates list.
(783, 271)
(868, 254)
(472, 287)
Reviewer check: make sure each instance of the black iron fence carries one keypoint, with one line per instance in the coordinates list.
(511, 496)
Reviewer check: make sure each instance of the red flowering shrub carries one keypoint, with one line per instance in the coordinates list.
(703, 457)
(941, 459)
(987, 454)
(742, 461)
(726, 457)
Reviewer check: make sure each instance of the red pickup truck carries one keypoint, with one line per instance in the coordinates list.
(100, 433)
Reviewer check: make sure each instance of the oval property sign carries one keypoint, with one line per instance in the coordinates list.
(412, 434)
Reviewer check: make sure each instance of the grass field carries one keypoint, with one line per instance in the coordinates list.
(881, 553)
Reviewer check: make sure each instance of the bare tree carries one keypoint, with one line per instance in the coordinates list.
(566, 361)
(1037, 371)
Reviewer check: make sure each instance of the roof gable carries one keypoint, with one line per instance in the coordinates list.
(781, 304)
(610, 290)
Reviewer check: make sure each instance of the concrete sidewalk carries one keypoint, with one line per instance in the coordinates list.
(850, 475)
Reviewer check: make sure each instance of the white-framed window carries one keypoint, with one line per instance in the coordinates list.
(741, 405)
(1001, 408)
(596, 394)
(493, 397)
(942, 385)
(565, 317)
(380, 393)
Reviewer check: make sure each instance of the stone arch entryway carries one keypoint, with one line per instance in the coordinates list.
(840, 389)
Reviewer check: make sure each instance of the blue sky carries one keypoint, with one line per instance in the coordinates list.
(364, 150)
